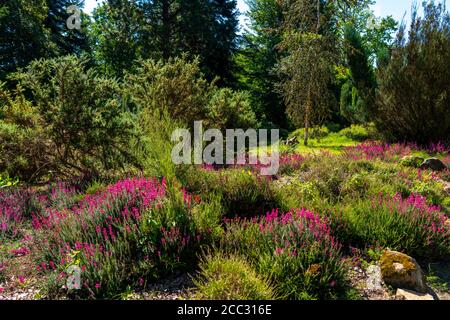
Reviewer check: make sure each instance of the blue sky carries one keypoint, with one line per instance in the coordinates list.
(382, 8)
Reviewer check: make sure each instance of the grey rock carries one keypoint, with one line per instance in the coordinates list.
(433, 164)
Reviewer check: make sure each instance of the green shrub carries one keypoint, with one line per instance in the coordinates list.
(356, 132)
(153, 147)
(176, 87)
(412, 161)
(242, 192)
(225, 277)
(65, 119)
(208, 214)
(228, 109)
(315, 133)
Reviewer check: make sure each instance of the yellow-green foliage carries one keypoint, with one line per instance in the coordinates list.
(226, 277)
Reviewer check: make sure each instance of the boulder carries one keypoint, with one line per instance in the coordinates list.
(401, 271)
(412, 161)
(433, 164)
(374, 281)
(403, 294)
(447, 223)
(292, 141)
(447, 189)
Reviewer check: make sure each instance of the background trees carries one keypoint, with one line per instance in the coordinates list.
(66, 41)
(124, 31)
(23, 34)
(257, 58)
(413, 97)
(307, 69)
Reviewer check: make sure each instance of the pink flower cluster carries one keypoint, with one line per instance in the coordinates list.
(416, 209)
(12, 207)
(374, 150)
(292, 232)
(101, 218)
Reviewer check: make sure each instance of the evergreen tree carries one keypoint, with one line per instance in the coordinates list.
(413, 95)
(115, 35)
(258, 57)
(67, 41)
(23, 36)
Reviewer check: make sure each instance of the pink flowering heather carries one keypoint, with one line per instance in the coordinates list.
(119, 234)
(374, 150)
(406, 224)
(12, 211)
(295, 248)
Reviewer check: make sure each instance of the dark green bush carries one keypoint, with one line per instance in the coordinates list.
(63, 119)
(414, 88)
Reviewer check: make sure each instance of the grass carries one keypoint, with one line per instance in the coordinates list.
(227, 277)
(333, 143)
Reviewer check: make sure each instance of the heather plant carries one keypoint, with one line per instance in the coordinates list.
(224, 277)
(296, 250)
(136, 229)
(372, 150)
(14, 211)
(404, 224)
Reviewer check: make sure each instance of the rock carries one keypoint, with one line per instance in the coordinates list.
(447, 189)
(412, 161)
(292, 141)
(374, 280)
(433, 164)
(402, 271)
(403, 294)
(447, 223)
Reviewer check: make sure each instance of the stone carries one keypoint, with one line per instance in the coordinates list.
(402, 271)
(433, 164)
(447, 189)
(292, 141)
(374, 280)
(447, 223)
(403, 294)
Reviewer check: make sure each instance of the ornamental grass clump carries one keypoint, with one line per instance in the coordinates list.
(296, 250)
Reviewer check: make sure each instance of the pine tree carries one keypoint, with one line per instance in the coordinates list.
(23, 36)
(258, 57)
(67, 41)
(115, 35)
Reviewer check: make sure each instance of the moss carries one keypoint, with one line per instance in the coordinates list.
(387, 264)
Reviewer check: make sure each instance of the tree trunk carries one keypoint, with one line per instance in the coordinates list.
(307, 112)
(166, 29)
